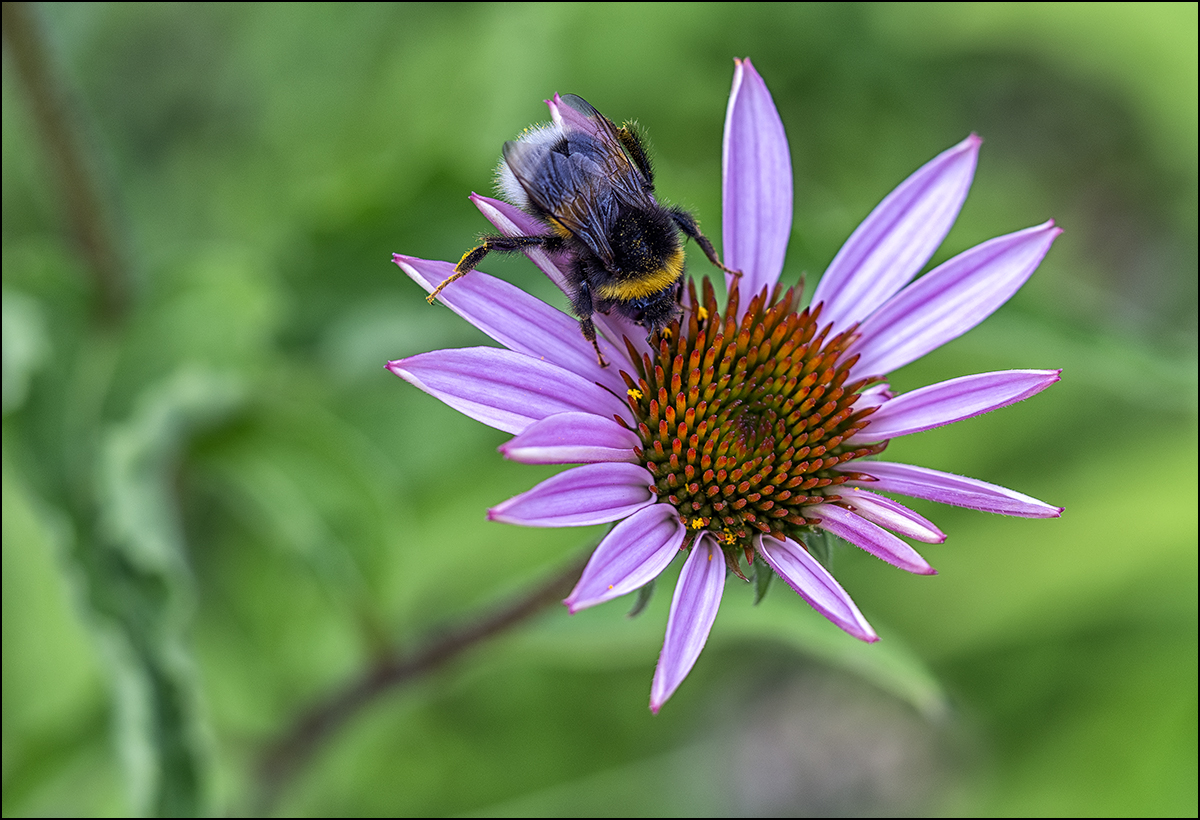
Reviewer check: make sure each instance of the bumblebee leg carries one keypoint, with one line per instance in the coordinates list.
(487, 244)
(589, 333)
(456, 275)
(687, 224)
(631, 141)
(582, 303)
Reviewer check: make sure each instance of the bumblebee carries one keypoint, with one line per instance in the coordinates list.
(591, 184)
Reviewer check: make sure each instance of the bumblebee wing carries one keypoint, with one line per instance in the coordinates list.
(581, 177)
(568, 180)
(561, 187)
(582, 117)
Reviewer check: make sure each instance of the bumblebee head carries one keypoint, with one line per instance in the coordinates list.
(656, 311)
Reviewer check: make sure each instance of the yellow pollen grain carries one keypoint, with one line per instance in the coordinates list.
(634, 393)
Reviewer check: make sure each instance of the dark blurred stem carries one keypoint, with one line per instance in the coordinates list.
(286, 756)
(62, 145)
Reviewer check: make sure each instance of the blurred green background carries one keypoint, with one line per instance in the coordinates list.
(219, 507)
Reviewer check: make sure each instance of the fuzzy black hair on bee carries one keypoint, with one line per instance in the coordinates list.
(591, 184)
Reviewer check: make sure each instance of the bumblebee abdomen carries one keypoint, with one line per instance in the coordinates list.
(647, 282)
(647, 255)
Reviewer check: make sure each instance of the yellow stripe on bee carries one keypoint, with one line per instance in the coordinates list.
(646, 284)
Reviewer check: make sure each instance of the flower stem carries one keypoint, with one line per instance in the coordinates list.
(88, 222)
(284, 757)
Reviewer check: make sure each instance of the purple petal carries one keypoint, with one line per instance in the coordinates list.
(954, 400)
(693, 610)
(887, 513)
(870, 537)
(573, 438)
(580, 497)
(896, 240)
(814, 584)
(503, 389)
(874, 396)
(571, 119)
(630, 556)
(520, 322)
(617, 327)
(950, 300)
(512, 221)
(948, 488)
(757, 184)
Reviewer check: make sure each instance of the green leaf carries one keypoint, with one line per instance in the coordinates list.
(142, 590)
(643, 598)
(25, 346)
(821, 545)
(762, 579)
(889, 663)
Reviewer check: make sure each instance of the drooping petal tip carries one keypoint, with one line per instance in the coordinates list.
(693, 609)
(633, 553)
(872, 538)
(816, 585)
(894, 516)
